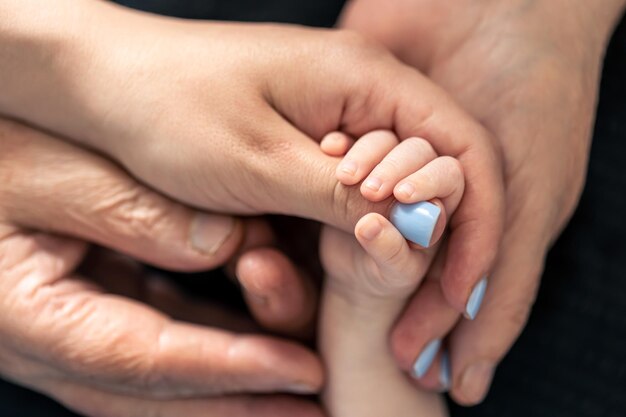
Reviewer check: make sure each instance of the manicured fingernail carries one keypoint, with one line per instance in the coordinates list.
(476, 380)
(371, 229)
(445, 375)
(406, 189)
(348, 167)
(475, 299)
(416, 221)
(426, 358)
(209, 232)
(373, 184)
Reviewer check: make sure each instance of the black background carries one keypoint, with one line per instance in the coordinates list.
(571, 359)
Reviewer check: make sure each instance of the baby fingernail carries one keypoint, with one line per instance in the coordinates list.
(426, 358)
(406, 189)
(416, 222)
(373, 184)
(209, 232)
(348, 167)
(475, 299)
(371, 229)
(476, 380)
(445, 374)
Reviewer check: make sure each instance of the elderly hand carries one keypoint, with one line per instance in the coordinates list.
(107, 355)
(224, 116)
(530, 72)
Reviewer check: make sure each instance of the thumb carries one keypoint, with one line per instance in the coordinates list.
(60, 188)
(303, 183)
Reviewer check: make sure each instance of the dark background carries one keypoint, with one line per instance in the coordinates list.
(571, 359)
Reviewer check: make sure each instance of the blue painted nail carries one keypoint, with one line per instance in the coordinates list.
(476, 299)
(416, 221)
(445, 376)
(426, 358)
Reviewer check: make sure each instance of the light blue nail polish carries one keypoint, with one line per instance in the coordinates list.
(426, 358)
(416, 221)
(476, 299)
(445, 375)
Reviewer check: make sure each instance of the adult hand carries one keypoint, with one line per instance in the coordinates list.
(107, 355)
(530, 72)
(225, 116)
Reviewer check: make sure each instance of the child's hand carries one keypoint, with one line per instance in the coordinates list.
(410, 170)
(384, 264)
(368, 280)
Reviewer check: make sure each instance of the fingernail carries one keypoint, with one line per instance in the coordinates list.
(373, 184)
(476, 380)
(209, 232)
(426, 358)
(445, 375)
(371, 229)
(348, 167)
(406, 189)
(416, 221)
(301, 388)
(475, 299)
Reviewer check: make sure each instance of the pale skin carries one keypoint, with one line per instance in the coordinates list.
(528, 70)
(369, 278)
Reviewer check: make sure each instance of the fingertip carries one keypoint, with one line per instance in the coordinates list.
(369, 227)
(336, 144)
(346, 172)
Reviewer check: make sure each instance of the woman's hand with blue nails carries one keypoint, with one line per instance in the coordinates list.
(72, 331)
(226, 116)
(529, 70)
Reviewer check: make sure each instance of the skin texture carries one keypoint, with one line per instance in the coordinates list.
(369, 280)
(226, 116)
(528, 70)
(90, 330)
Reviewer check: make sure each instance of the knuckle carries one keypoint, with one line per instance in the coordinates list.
(420, 145)
(133, 211)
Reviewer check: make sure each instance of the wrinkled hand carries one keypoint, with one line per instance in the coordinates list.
(529, 71)
(104, 354)
(225, 116)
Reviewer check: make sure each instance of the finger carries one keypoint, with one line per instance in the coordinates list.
(302, 181)
(118, 274)
(60, 188)
(440, 181)
(476, 347)
(135, 349)
(163, 295)
(406, 158)
(417, 337)
(93, 402)
(366, 152)
(400, 267)
(280, 296)
(442, 178)
(396, 97)
(336, 144)
(419, 108)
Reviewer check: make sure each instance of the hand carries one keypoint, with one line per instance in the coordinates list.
(529, 71)
(224, 116)
(104, 354)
